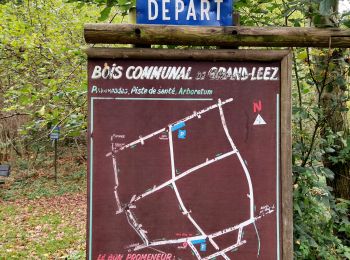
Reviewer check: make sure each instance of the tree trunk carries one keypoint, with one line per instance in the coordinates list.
(333, 109)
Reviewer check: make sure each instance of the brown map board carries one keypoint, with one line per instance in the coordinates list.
(185, 158)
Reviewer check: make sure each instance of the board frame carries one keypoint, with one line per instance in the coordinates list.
(285, 148)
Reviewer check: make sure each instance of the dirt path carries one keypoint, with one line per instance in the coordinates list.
(45, 228)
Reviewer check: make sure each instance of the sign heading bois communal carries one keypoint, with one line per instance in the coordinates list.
(185, 12)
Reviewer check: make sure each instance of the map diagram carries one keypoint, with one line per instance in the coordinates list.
(201, 241)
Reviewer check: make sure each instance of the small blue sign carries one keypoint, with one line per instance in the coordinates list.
(178, 126)
(182, 134)
(203, 247)
(55, 133)
(185, 12)
(199, 241)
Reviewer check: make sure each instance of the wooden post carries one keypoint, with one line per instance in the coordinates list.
(55, 160)
(132, 20)
(236, 18)
(132, 15)
(236, 21)
(180, 54)
(226, 36)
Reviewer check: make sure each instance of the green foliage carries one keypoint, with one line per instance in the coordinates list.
(317, 215)
(122, 5)
(42, 67)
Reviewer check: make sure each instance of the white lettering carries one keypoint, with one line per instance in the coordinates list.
(116, 72)
(260, 73)
(105, 72)
(155, 14)
(205, 10)
(137, 72)
(156, 72)
(274, 74)
(179, 7)
(244, 74)
(218, 9)
(165, 10)
(147, 71)
(174, 72)
(267, 73)
(97, 72)
(236, 73)
(253, 74)
(128, 72)
(191, 12)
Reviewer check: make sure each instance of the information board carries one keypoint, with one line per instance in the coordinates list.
(185, 157)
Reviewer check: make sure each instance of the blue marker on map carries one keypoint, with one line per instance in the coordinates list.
(178, 126)
(182, 134)
(199, 241)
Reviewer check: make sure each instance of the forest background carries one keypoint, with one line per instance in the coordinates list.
(43, 84)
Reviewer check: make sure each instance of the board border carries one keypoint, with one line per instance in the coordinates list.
(285, 142)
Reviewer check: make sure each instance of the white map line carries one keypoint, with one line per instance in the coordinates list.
(237, 244)
(183, 208)
(250, 185)
(172, 182)
(171, 147)
(258, 236)
(171, 241)
(211, 240)
(141, 140)
(251, 194)
(230, 229)
(195, 114)
(225, 256)
(115, 168)
(240, 233)
(182, 175)
(159, 251)
(225, 250)
(119, 209)
(195, 251)
(188, 240)
(137, 227)
(223, 121)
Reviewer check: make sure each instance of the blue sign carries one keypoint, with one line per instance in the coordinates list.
(182, 134)
(185, 12)
(178, 126)
(55, 133)
(199, 241)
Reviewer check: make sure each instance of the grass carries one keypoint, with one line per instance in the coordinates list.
(33, 183)
(37, 187)
(46, 228)
(41, 218)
